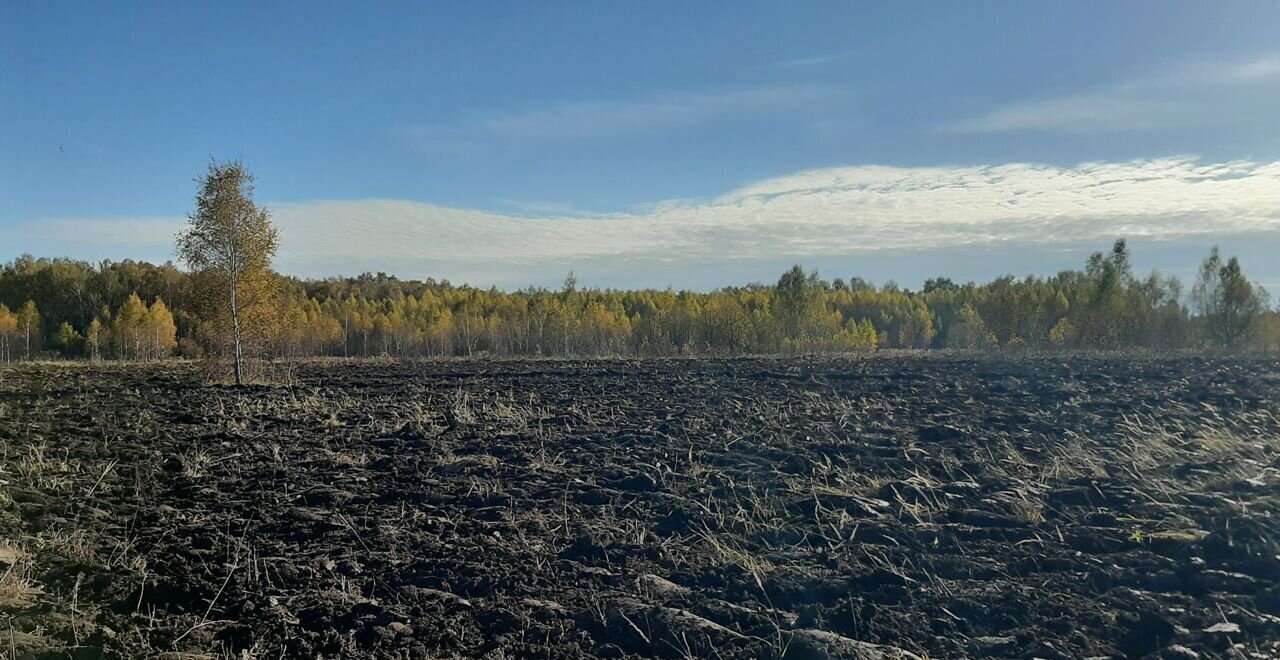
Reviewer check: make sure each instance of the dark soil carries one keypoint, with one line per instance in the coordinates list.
(881, 507)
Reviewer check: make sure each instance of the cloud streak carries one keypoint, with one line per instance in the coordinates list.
(803, 216)
(806, 216)
(1264, 68)
(124, 232)
(638, 116)
(816, 60)
(1190, 96)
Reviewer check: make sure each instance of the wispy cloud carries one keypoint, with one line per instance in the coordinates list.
(816, 60)
(1187, 96)
(810, 215)
(542, 209)
(835, 211)
(1084, 113)
(1263, 68)
(642, 115)
(127, 232)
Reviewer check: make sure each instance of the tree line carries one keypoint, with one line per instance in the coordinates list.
(74, 309)
(229, 303)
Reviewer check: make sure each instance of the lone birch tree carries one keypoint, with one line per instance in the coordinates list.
(229, 241)
(29, 323)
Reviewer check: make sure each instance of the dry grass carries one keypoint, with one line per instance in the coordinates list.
(1025, 506)
(40, 467)
(726, 551)
(196, 464)
(544, 461)
(17, 588)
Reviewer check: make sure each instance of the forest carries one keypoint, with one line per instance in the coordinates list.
(131, 310)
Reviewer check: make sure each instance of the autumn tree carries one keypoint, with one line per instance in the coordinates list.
(128, 328)
(726, 326)
(1100, 305)
(93, 335)
(856, 336)
(230, 241)
(161, 333)
(29, 327)
(8, 330)
(1063, 333)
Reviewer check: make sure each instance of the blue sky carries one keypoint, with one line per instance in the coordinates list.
(646, 144)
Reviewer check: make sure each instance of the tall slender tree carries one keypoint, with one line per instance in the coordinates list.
(1227, 301)
(8, 328)
(162, 334)
(128, 328)
(796, 294)
(93, 339)
(230, 240)
(29, 324)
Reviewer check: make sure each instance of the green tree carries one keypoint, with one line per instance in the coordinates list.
(916, 329)
(793, 296)
(67, 340)
(969, 330)
(1105, 317)
(1228, 303)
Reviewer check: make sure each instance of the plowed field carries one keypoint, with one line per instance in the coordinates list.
(891, 506)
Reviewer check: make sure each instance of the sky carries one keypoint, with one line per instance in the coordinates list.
(655, 144)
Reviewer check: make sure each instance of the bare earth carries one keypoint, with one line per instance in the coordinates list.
(885, 507)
